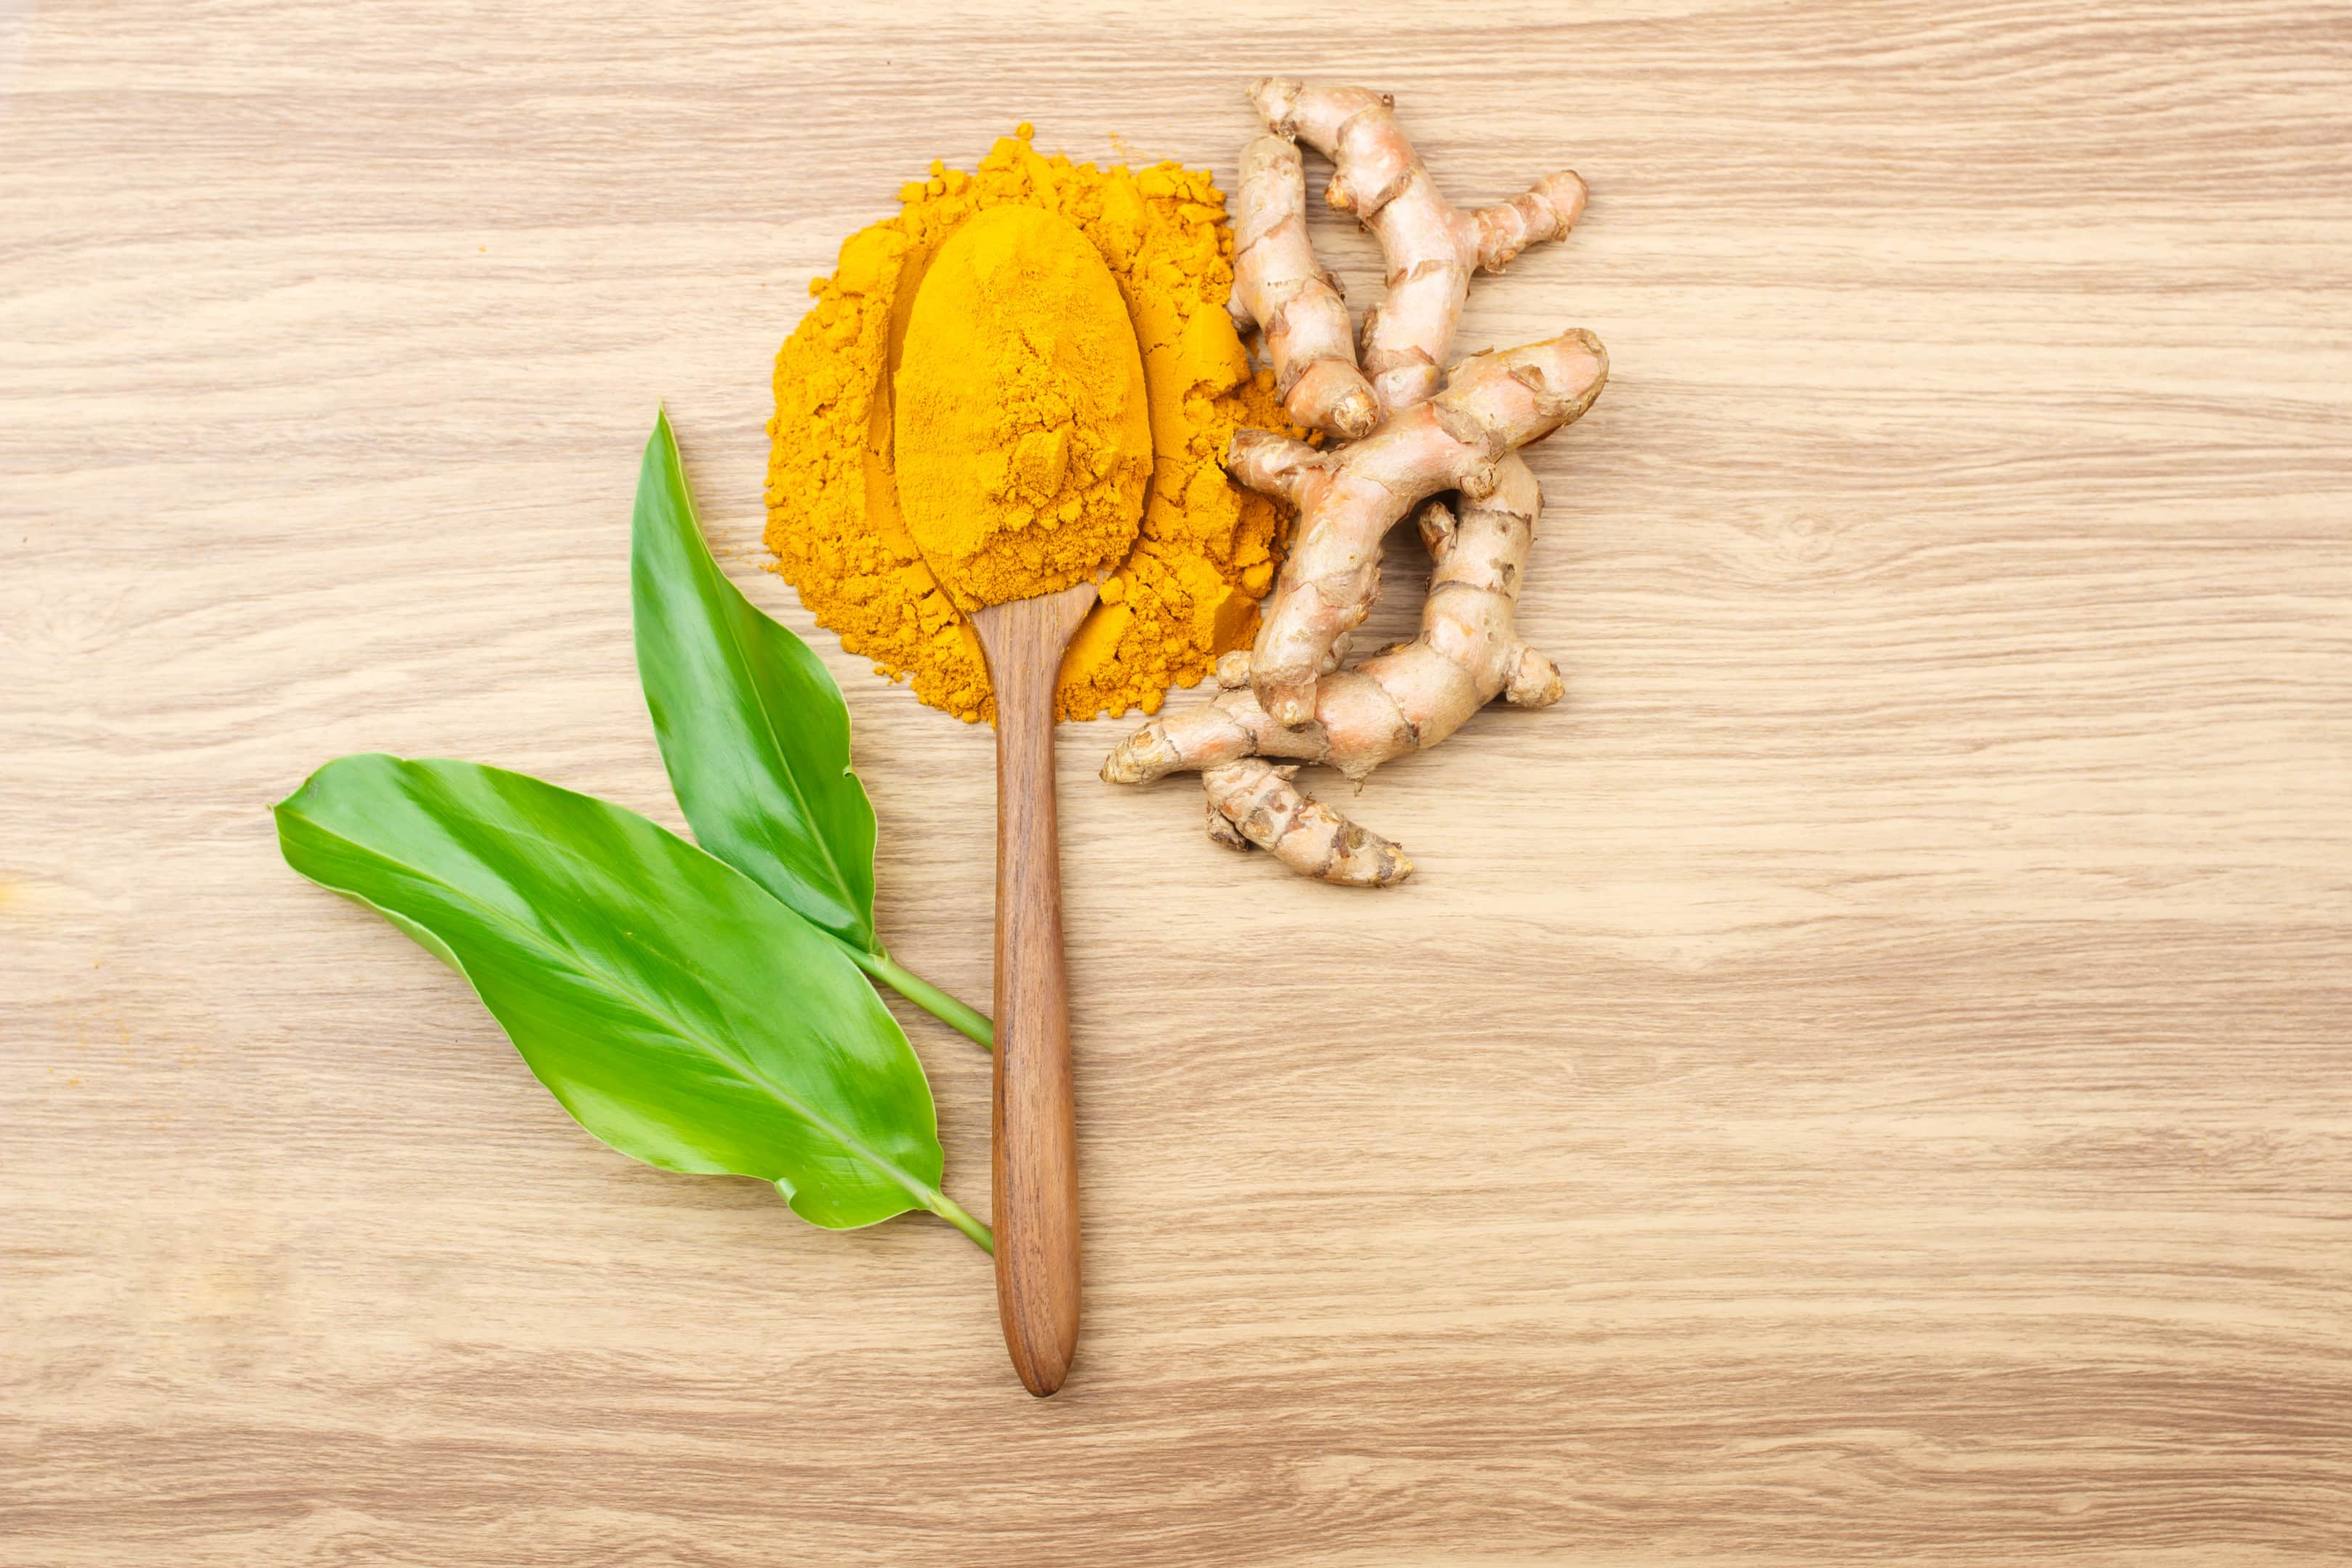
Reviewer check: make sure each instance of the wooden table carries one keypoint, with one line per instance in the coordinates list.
(1864, 1080)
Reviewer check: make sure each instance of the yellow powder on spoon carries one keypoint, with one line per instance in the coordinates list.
(1022, 435)
(1186, 591)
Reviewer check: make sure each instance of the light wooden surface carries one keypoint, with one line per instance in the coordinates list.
(1864, 1080)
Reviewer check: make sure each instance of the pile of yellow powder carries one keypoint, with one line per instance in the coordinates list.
(1208, 549)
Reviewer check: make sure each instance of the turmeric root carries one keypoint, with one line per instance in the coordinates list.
(1254, 803)
(1403, 699)
(1278, 285)
(1431, 246)
(1349, 500)
(1439, 431)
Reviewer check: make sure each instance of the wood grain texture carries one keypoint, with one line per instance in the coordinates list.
(1033, 1130)
(1866, 1079)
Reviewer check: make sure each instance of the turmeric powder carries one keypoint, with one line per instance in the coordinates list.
(1184, 594)
(1022, 439)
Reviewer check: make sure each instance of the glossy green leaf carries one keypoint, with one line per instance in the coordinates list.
(679, 1011)
(752, 728)
(755, 733)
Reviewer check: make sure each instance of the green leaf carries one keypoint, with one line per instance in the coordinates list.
(679, 1011)
(752, 728)
(755, 733)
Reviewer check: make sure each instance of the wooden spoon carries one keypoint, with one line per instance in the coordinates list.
(1035, 1121)
(1018, 299)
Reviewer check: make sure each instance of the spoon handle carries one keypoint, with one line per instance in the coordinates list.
(1036, 1167)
